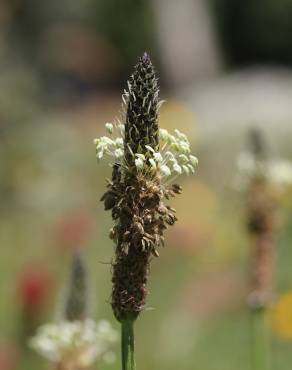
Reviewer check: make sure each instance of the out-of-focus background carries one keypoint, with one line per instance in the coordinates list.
(224, 66)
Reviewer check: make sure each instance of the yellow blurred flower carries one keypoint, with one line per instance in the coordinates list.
(282, 316)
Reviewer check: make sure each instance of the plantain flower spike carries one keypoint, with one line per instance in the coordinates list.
(145, 161)
(76, 305)
(261, 225)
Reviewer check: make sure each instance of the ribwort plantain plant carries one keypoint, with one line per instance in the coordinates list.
(261, 226)
(146, 159)
(263, 180)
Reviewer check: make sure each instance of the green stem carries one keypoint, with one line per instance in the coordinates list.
(128, 345)
(261, 340)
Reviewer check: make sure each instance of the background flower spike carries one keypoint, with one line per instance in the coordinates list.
(76, 304)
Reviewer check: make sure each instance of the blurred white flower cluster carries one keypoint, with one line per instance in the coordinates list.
(174, 157)
(78, 342)
(277, 171)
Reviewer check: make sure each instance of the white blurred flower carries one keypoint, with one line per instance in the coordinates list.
(81, 341)
(280, 170)
(109, 127)
(276, 171)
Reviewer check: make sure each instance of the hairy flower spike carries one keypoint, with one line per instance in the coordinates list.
(141, 124)
(139, 186)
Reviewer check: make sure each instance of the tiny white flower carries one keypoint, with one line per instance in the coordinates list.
(118, 153)
(153, 163)
(150, 148)
(191, 168)
(194, 160)
(186, 169)
(184, 146)
(158, 157)
(183, 158)
(99, 154)
(165, 170)
(139, 163)
(119, 141)
(177, 168)
(109, 127)
(163, 134)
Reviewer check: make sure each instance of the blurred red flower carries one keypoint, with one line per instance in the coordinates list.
(34, 285)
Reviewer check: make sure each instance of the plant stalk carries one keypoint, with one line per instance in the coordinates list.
(261, 339)
(128, 345)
